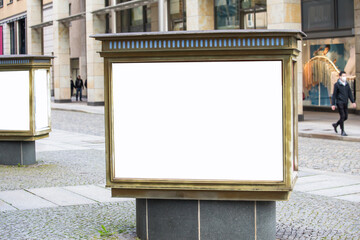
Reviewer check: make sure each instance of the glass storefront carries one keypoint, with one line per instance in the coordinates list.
(323, 59)
(240, 14)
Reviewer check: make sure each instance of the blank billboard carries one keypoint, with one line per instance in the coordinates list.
(198, 120)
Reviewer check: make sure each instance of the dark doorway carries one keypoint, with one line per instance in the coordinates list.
(22, 36)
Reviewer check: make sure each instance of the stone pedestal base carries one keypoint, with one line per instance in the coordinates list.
(211, 220)
(17, 152)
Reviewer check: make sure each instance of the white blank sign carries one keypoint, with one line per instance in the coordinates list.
(42, 106)
(198, 120)
(14, 101)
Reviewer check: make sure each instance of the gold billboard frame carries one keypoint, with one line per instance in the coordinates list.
(205, 46)
(29, 63)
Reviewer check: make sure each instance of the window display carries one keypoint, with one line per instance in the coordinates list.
(323, 60)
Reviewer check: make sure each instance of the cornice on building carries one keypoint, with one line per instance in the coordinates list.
(13, 18)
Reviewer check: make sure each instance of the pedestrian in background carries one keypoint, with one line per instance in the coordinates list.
(72, 86)
(79, 87)
(341, 94)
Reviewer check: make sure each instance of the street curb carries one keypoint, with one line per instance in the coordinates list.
(75, 110)
(329, 137)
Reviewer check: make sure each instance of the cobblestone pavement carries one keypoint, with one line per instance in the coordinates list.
(308, 216)
(305, 216)
(72, 222)
(87, 123)
(330, 155)
(55, 169)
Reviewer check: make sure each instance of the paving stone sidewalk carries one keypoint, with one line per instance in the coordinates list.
(318, 125)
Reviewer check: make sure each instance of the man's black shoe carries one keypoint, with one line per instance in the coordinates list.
(335, 126)
(343, 133)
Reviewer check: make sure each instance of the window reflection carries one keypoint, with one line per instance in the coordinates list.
(240, 14)
(136, 19)
(177, 15)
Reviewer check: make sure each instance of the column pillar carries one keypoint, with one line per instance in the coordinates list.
(154, 17)
(34, 36)
(162, 16)
(6, 37)
(200, 15)
(286, 14)
(61, 52)
(357, 50)
(95, 66)
(113, 17)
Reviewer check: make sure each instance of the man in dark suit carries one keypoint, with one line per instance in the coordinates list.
(79, 87)
(342, 93)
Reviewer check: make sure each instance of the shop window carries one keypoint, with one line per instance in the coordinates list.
(323, 59)
(177, 15)
(240, 14)
(1, 3)
(136, 19)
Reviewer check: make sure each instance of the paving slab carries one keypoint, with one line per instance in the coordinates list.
(22, 200)
(97, 193)
(78, 107)
(351, 198)
(312, 179)
(5, 207)
(60, 196)
(333, 183)
(339, 191)
(65, 140)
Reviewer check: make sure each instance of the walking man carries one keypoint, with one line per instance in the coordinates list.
(79, 87)
(342, 93)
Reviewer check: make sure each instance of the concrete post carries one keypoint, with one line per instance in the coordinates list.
(357, 50)
(95, 65)
(34, 36)
(200, 15)
(286, 14)
(61, 52)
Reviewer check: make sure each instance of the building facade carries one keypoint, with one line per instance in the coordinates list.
(62, 28)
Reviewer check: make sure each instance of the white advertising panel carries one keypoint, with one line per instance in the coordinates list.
(198, 120)
(14, 101)
(42, 105)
